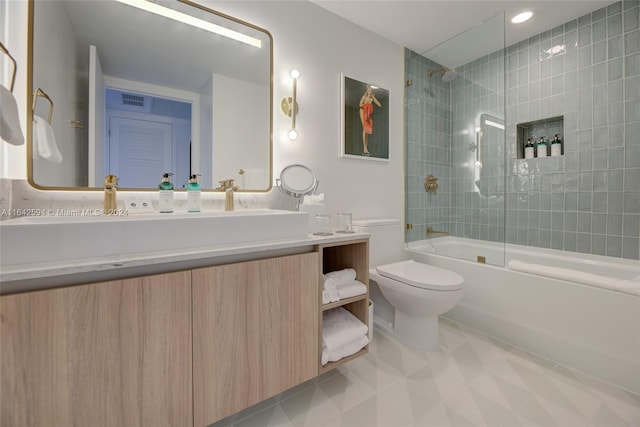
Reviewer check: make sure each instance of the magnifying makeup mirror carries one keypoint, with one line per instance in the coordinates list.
(297, 181)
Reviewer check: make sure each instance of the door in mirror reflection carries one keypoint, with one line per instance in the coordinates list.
(146, 137)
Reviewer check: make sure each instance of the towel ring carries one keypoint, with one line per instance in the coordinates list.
(15, 65)
(36, 94)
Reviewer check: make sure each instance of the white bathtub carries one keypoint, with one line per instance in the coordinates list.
(590, 328)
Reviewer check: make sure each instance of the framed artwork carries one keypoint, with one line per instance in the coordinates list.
(365, 120)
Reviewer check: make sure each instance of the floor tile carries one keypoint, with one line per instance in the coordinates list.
(472, 380)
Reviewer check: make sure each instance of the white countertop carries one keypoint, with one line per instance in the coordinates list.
(25, 277)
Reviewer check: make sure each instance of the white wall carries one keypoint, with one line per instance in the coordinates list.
(13, 163)
(59, 79)
(321, 45)
(234, 137)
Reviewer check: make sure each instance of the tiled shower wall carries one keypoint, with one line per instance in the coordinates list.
(588, 200)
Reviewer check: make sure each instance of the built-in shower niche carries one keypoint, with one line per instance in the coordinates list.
(546, 128)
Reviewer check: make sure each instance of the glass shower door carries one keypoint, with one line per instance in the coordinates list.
(455, 132)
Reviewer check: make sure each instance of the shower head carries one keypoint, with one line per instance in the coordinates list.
(449, 73)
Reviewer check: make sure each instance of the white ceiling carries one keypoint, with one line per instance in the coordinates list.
(422, 25)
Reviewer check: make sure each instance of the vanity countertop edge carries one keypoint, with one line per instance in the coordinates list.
(36, 276)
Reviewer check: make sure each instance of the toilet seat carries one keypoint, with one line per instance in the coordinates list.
(422, 275)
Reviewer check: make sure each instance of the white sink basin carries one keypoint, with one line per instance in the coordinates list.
(30, 240)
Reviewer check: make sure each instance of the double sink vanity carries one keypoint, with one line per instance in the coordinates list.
(178, 319)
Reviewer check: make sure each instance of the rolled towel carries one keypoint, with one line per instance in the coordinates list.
(342, 276)
(351, 289)
(329, 296)
(329, 285)
(570, 275)
(340, 327)
(10, 129)
(627, 286)
(344, 351)
(44, 140)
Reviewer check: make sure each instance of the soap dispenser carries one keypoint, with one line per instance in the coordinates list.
(193, 194)
(556, 147)
(165, 191)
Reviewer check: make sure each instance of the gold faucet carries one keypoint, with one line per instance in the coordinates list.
(228, 188)
(110, 202)
(431, 232)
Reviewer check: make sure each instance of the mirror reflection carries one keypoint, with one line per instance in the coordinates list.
(139, 93)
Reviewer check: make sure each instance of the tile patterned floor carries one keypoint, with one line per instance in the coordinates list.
(473, 380)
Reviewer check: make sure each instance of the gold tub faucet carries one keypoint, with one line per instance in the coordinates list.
(431, 232)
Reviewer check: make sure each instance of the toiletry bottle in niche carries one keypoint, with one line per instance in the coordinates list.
(193, 194)
(542, 147)
(556, 147)
(528, 150)
(165, 192)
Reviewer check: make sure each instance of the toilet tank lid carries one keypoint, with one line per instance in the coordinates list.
(422, 275)
(379, 222)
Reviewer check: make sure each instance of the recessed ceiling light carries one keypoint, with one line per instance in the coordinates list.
(522, 17)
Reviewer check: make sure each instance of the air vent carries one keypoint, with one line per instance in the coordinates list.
(134, 100)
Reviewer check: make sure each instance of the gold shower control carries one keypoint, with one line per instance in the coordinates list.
(430, 184)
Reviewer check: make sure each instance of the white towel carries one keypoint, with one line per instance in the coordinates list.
(329, 296)
(10, 129)
(576, 276)
(329, 284)
(44, 140)
(342, 276)
(344, 351)
(352, 289)
(340, 327)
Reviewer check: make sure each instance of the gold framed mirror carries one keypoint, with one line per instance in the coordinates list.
(137, 93)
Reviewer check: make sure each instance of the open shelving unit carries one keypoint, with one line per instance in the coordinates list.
(337, 256)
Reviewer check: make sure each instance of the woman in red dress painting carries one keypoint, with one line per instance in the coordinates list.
(366, 116)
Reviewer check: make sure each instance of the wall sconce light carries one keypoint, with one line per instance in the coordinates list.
(289, 106)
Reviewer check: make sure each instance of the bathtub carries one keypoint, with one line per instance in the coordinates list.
(576, 323)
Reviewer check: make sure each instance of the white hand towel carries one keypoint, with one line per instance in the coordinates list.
(351, 289)
(329, 296)
(10, 129)
(342, 276)
(344, 351)
(570, 275)
(44, 141)
(340, 327)
(329, 284)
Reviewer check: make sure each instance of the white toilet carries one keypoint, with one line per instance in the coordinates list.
(419, 292)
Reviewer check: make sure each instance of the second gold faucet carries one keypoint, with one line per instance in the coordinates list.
(229, 188)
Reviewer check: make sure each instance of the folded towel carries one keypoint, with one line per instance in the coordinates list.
(351, 289)
(344, 351)
(576, 276)
(44, 140)
(10, 129)
(329, 285)
(329, 296)
(340, 327)
(342, 276)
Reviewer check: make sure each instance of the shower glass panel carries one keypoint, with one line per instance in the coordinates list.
(454, 128)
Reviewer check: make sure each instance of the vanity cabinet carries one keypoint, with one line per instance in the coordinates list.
(185, 348)
(255, 332)
(106, 354)
(337, 256)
